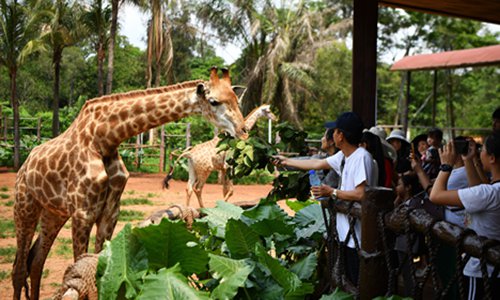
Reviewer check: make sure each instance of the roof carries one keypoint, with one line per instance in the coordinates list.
(481, 10)
(482, 56)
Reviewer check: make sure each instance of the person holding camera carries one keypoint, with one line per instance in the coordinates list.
(480, 201)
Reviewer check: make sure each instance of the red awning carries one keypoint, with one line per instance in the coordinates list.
(483, 56)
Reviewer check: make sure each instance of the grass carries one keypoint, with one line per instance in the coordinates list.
(136, 201)
(151, 195)
(4, 189)
(7, 254)
(4, 275)
(7, 229)
(130, 192)
(9, 203)
(130, 215)
(64, 247)
(4, 196)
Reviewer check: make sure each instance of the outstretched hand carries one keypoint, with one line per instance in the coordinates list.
(279, 160)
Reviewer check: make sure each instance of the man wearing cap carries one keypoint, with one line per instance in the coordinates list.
(354, 164)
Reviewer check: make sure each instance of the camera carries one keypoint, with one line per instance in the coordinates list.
(461, 147)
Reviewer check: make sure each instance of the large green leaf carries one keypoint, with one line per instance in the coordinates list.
(287, 279)
(305, 267)
(338, 294)
(266, 211)
(269, 227)
(122, 262)
(231, 274)
(217, 217)
(240, 239)
(298, 205)
(169, 284)
(311, 221)
(169, 243)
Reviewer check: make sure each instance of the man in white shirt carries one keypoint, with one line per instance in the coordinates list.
(354, 164)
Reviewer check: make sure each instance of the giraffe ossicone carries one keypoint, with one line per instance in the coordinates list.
(80, 175)
(205, 158)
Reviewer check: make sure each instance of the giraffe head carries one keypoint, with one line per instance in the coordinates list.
(219, 104)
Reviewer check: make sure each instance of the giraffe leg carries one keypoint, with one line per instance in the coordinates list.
(106, 222)
(51, 224)
(191, 181)
(198, 187)
(227, 186)
(26, 216)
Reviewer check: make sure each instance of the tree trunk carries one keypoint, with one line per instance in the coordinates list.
(56, 60)
(100, 66)
(111, 46)
(15, 111)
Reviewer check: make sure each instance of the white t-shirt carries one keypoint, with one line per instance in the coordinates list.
(482, 204)
(358, 168)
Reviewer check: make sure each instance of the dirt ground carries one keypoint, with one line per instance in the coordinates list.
(138, 186)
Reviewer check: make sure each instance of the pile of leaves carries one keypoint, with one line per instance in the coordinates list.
(259, 253)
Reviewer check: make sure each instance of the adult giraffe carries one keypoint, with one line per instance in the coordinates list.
(80, 174)
(205, 158)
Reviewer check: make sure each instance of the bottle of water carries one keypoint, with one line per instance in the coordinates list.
(315, 181)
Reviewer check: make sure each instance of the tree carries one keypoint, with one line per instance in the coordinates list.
(62, 31)
(115, 5)
(20, 24)
(97, 21)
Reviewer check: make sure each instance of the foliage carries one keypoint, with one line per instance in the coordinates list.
(230, 253)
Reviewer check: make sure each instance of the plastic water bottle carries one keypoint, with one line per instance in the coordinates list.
(315, 181)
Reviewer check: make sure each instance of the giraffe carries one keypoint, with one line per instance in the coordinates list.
(80, 175)
(205, 158)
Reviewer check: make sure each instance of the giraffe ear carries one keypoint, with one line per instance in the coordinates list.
(200, 90)
(239, 91)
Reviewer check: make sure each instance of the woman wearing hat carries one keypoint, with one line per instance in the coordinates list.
(398, 140)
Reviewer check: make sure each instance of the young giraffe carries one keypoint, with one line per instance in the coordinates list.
(80, 174)
(205, 158)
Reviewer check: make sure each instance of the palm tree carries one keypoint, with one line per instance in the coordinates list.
(97, 20)
(64, 30)
(20, 24)
(115, 5)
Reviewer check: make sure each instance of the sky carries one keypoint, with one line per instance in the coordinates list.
(133, 25)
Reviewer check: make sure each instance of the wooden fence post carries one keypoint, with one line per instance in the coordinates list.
(373, 273)
(188, 135)
(162, 149)
(38, 130)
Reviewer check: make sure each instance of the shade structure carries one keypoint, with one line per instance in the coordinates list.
(482, 56)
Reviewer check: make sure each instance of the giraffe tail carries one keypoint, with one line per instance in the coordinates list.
(172, 167)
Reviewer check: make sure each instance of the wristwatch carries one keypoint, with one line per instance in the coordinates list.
(334, 193)
(445, 168)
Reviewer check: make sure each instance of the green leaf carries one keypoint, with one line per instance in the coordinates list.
(122, 262)
(240, 239)
(169, 284)
(168, 243)
(266, 211)
(288, 280)
(217, 217)
(269, 227)
(298, 205)
(231, 274)
(240, 145)
(305, 267)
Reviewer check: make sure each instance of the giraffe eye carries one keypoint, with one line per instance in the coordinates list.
(213, 102)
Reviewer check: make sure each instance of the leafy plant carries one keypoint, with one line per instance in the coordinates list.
(230, 253)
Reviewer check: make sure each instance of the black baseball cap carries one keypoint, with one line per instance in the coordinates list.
(348, 122)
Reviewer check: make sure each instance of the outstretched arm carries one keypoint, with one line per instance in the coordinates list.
(306, 164)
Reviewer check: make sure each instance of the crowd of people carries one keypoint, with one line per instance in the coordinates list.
(457, 181)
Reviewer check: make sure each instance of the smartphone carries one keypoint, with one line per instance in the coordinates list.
(461, 147)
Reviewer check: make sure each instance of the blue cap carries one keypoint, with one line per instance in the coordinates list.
(348, 122)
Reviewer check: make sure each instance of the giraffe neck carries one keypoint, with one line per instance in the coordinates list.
(109, 120)
(252, 118)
